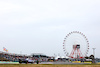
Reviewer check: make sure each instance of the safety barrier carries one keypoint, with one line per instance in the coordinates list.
(8, 62)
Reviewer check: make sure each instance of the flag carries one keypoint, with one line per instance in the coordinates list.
(5, 49)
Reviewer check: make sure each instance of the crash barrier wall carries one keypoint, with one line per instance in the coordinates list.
(8, 62)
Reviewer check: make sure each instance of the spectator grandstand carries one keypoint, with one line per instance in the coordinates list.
(41, 57)
(5, 56)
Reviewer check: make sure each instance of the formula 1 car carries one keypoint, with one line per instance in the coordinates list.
(26, 61)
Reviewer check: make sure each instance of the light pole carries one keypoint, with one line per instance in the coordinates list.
(20, 52)
(94, 54)
(94, 51)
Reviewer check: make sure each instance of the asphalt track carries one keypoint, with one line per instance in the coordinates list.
(61, 63)
(4, 62)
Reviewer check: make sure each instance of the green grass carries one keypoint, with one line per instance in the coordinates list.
(49, 65)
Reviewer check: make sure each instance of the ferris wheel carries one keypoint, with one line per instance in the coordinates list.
(76, 45)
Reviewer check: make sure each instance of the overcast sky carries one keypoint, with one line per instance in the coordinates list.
(39, 26)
